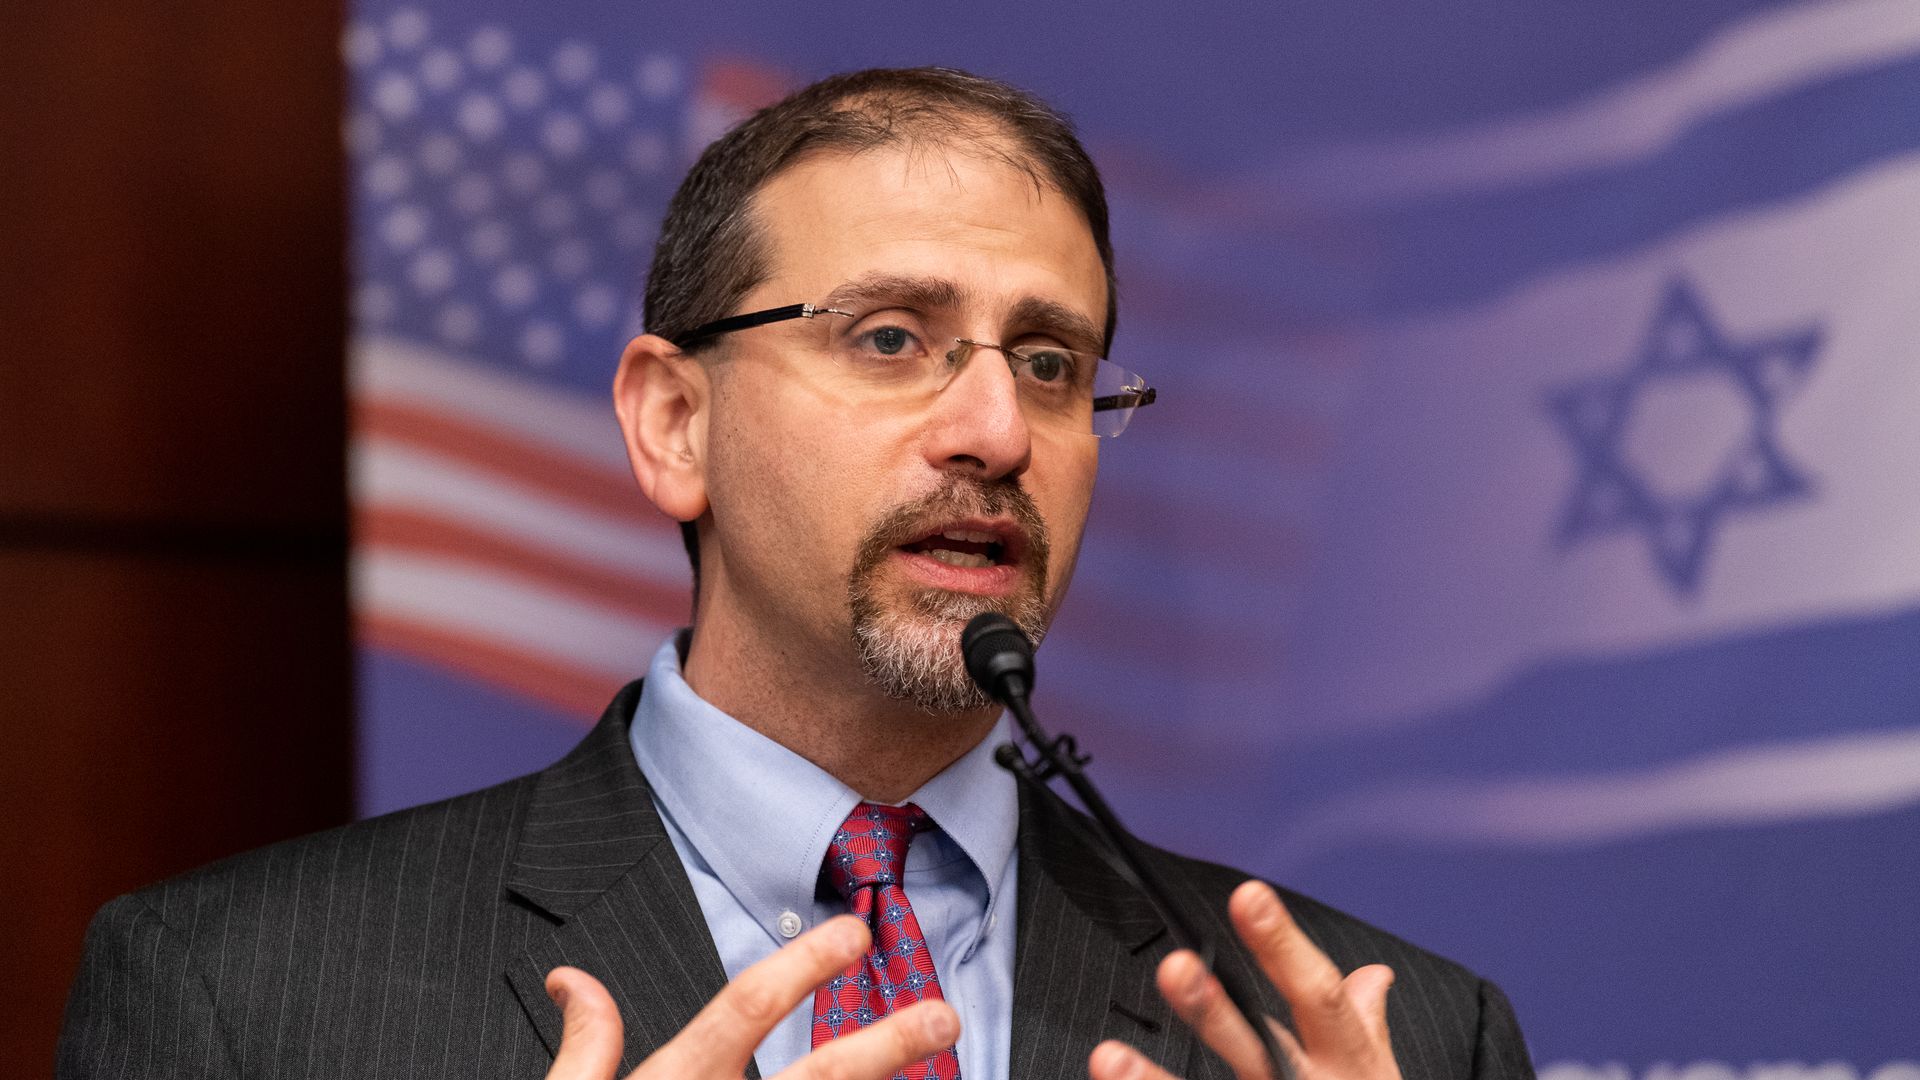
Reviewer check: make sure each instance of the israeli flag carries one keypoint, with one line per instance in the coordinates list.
(1704, 445)
(1612, 634)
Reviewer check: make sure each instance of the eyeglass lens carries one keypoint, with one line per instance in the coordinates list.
(899, 357)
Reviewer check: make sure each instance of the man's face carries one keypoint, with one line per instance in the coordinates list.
(856, 534)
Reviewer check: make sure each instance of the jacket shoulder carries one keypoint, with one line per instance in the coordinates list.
(360, 854)
(378, 947)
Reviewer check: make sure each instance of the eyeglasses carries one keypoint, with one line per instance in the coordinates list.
(889, 357)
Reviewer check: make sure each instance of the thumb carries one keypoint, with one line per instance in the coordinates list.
(592, 1035)
(1367, 989)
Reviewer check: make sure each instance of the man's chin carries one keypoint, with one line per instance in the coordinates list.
(910, 647)
(943, 613)
(939, 608)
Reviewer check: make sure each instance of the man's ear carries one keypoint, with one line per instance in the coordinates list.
(662, 396)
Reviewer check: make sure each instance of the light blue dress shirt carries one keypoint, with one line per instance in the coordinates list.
(751, 821)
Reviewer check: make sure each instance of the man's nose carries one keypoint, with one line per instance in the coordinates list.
(976, 424)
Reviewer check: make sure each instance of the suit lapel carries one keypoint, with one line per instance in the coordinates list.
(1087, 944)
(595, 858)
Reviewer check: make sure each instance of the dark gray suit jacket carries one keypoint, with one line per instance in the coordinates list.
(415, 945)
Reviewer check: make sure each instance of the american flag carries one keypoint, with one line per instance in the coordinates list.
(507, 192)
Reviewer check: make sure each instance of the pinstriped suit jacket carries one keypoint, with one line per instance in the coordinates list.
(414, 946)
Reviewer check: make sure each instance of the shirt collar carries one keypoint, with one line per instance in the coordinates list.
(761, 816)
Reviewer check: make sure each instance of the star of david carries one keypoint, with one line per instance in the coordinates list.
(1611, 494)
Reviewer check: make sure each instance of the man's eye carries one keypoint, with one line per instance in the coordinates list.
(1050, 365)
(889, 340)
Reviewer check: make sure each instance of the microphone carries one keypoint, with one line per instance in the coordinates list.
(999, 659)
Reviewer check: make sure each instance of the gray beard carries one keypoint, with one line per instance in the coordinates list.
(914, 655)
(912, 651)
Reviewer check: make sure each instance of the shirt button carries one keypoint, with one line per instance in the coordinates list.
(789, 924)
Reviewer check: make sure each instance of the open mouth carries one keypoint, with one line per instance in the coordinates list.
(972, 545)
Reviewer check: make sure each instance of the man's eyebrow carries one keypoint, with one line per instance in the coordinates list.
(1036, 316)
(920, 293)
(1031, 315)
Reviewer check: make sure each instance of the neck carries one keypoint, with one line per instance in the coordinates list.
(827, 711)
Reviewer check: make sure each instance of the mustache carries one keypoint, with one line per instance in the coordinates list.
(959, 496)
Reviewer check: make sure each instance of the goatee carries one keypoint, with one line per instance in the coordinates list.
(912, 650)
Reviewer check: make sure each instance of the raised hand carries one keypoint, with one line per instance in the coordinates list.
(1342, 1022)
(720, 1041)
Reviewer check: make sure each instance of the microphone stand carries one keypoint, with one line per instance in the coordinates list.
(1062, 757)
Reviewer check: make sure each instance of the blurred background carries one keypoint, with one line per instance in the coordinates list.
(1524, 554)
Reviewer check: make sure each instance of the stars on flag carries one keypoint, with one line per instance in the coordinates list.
(506, 189)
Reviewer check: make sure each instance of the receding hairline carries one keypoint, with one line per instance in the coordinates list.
(1008, 152)
(980, 136)
(919, 125)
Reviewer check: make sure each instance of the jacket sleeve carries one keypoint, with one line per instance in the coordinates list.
(140, 1007)
(1500, 1051)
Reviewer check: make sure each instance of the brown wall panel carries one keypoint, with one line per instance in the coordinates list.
(172, 219)
(173, 623)
(164, 711)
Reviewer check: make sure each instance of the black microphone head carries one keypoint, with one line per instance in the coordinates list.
(999, 656)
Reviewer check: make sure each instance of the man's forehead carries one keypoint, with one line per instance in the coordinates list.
(940, 226)
(908, 174)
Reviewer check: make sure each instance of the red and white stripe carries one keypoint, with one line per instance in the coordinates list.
(498, 532)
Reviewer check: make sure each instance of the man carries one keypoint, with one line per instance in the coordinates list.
(871, 390)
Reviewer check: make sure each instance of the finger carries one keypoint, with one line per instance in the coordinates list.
(883, 1049)
(1367, 988)
(723, 1036)
(591, 1033)
(1199, 1000)
(1117, 1061)
(1324, 1016)
(1290, 1046)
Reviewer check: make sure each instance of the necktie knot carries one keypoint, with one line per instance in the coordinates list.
(870, 847)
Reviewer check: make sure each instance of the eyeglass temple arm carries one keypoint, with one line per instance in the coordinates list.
(743, 322)
(1126, 399)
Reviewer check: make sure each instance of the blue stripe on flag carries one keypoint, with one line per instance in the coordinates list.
(1451, 251)
(1599, 715)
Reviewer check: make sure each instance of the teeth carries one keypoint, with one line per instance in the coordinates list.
(959, 558)
(970, 536)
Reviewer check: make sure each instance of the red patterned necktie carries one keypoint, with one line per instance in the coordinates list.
(864, 863)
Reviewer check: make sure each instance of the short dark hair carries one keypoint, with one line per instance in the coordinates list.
(711, 252)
